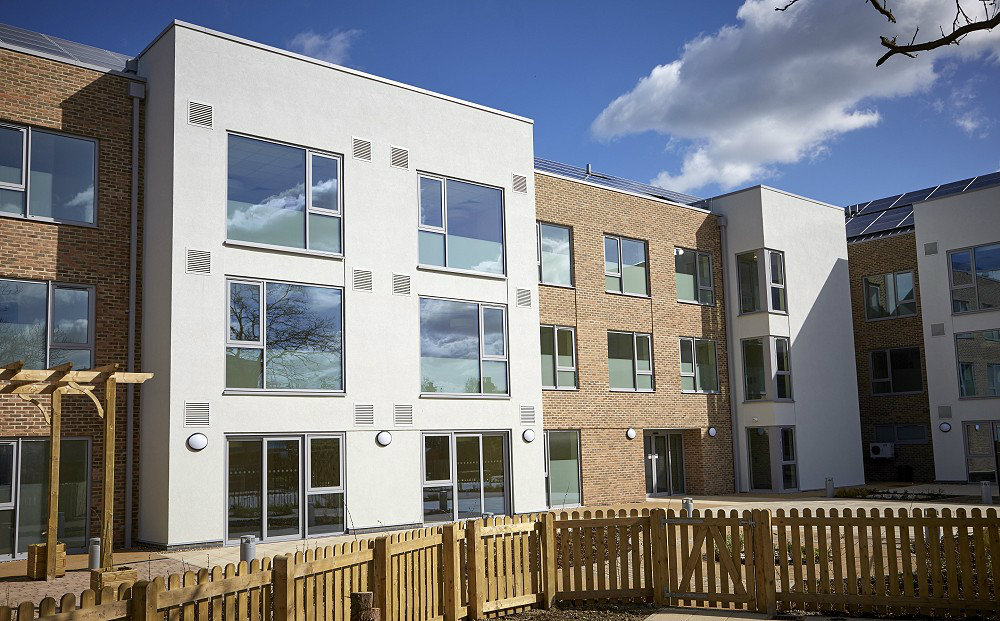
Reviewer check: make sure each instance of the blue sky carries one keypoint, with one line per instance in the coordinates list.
(742, 94)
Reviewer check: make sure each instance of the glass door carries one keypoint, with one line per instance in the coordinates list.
(664, 463)
(759, 452)
(470, 468)
(8, 455)
(469, 476)
(982, 448)
(282, 480)
(264, 488)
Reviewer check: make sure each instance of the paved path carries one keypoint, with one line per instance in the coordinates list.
(699, 614)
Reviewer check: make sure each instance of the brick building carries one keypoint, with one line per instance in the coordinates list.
(66, 209)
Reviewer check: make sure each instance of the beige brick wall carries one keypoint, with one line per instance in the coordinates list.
(869, 258)
(613, 467)
(48, 94)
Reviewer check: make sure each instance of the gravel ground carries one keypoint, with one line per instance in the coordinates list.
(608, 612)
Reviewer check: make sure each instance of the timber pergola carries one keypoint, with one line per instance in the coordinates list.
(29, 384)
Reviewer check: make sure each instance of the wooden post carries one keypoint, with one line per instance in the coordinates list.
(144, 601)
(475, 568)
(108, 505)
(764, 563)
(452, 572)
(55, 448)
(382, 575)
(283, 587)
(548, 556)
(657, 531)
(362, 609)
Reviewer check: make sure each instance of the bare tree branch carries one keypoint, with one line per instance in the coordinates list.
(884, 10)
(785, 8)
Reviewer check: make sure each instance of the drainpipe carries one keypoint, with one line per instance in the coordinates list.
(137, 91)
(730, 357)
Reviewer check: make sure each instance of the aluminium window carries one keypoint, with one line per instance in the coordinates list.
(562, 468)
(752, 272)
(694, 276)
(284, 336)
(978, 353)
(463, 347)
(555, 254)
(325, 485)
(49, 176)
(767, 372)
(461, 225)
(699, 370)
(46, 324)
(782, 369)
(284, 196)
(889, 296)
(895, 371)
(975, 278)
(625, 266)
(748, 274)
(630, 361)
(901, 433)
(558, 345)
(776, 272)
(789, 462)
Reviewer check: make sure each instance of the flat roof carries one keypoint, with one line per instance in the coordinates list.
(55, 48)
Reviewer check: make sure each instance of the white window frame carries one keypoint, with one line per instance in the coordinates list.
(895, 294)
(699, 286)
(262, 343)
(620, 274)
(9, 505)
(771, 285)
(452, 483)
(555, 361)
(443, 229)
(483, 356)
(579, 467)
(888, 365)
(24, 186)
(50, 288)
(765, 272)
(769, 354)
(974, 285)
(538, 254)
(692, 341)
(635, 362)
(777, 368)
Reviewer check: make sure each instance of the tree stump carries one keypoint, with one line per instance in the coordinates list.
(362, 607)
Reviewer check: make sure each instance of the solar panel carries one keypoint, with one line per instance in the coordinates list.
(34, 42)
(954, 187)
(889, 219)
(857, 225)
(881, 204)
(983, 181)
(611, 181)
(915, 197)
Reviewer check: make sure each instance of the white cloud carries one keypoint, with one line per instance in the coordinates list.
(778, 87)
(333, 47)
(965, 111)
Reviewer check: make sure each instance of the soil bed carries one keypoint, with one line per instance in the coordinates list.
(607, 612)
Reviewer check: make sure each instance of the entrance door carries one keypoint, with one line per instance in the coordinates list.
(264, 492)
(773, 459)
(982, 450)
(664, 463)
(759, 450)
(469, 467)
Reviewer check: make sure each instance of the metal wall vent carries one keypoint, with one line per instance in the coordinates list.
(196, 414)
(401, 284)
(930, 248)
(362, 149)
(198, 262)
(524, 297)
(400, 158)
(200, 114)
(364, 414)
(519, 183)
(944, 411)
(937, 329)
(527, 415)
(363, 280)
(402, 414)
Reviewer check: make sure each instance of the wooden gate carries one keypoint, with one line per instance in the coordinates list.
(712, 560)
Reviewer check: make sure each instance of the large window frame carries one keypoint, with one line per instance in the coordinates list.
(50, 292)
(27, 132)
(309, 209)
(311, 491)
(974, 284)
(636, 373)
(910, 303)
(539, 225)
(620, 273)
(483, 356)
(704, 292)
(769, 282)
(872, 379)
(977, 354)
(776, 361)
(261, 342)
(443, 229)
(451, 483)
(556, 367)
(890, 432)
(579, 468)
(691, 343)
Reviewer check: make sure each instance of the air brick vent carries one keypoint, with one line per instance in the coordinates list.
(362, 149)
(196, 414)
(524, 297)
(937, 329)
(198, 261)
(519, 183)
(402, 415)
(362, 280)
(944, 411)
(401, 284)
(400, 158)
(364, 414)
(527, 415)
(200, 114)
(930, 248)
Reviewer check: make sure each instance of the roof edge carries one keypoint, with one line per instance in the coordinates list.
(75, 63)
(620, 191)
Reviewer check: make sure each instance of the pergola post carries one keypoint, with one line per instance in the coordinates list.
(107, 514)
(52, 531)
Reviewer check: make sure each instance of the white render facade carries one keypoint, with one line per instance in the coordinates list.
(223, 114)
(793, 380)
(961, 329)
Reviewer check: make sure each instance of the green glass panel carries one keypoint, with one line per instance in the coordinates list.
(621, 374)
(708, 377)
(244, 368)
(547, 343)
(687, 282)
(324, 233)
(431, 248)
(494, 377)
(564, 468)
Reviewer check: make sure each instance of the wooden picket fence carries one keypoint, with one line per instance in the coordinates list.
(858, 563)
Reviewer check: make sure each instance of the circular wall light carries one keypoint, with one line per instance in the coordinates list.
(945, 427)
(528, 435)
(712, 432)
(383, 438)
(197, 441)
(630, 433)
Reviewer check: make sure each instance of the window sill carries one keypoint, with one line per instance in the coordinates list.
(446, 395)
(629, 295)
(694, 303)
(286, 249)
(460, 272)
(557, 389)
(975, 312)
(763, 312)
(631, 391)
(701, 392)
(246, 392)
(901, 394)
(769, 401)
(552, 284)
(978, 397)
(877, 319)
(29, 218)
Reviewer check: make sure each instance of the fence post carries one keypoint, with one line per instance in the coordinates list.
(382, 575)
(283, 586)
(475, 568)
(658, 560)
(452, 573)
(144, 601)
(548, 556)
(764, 563)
